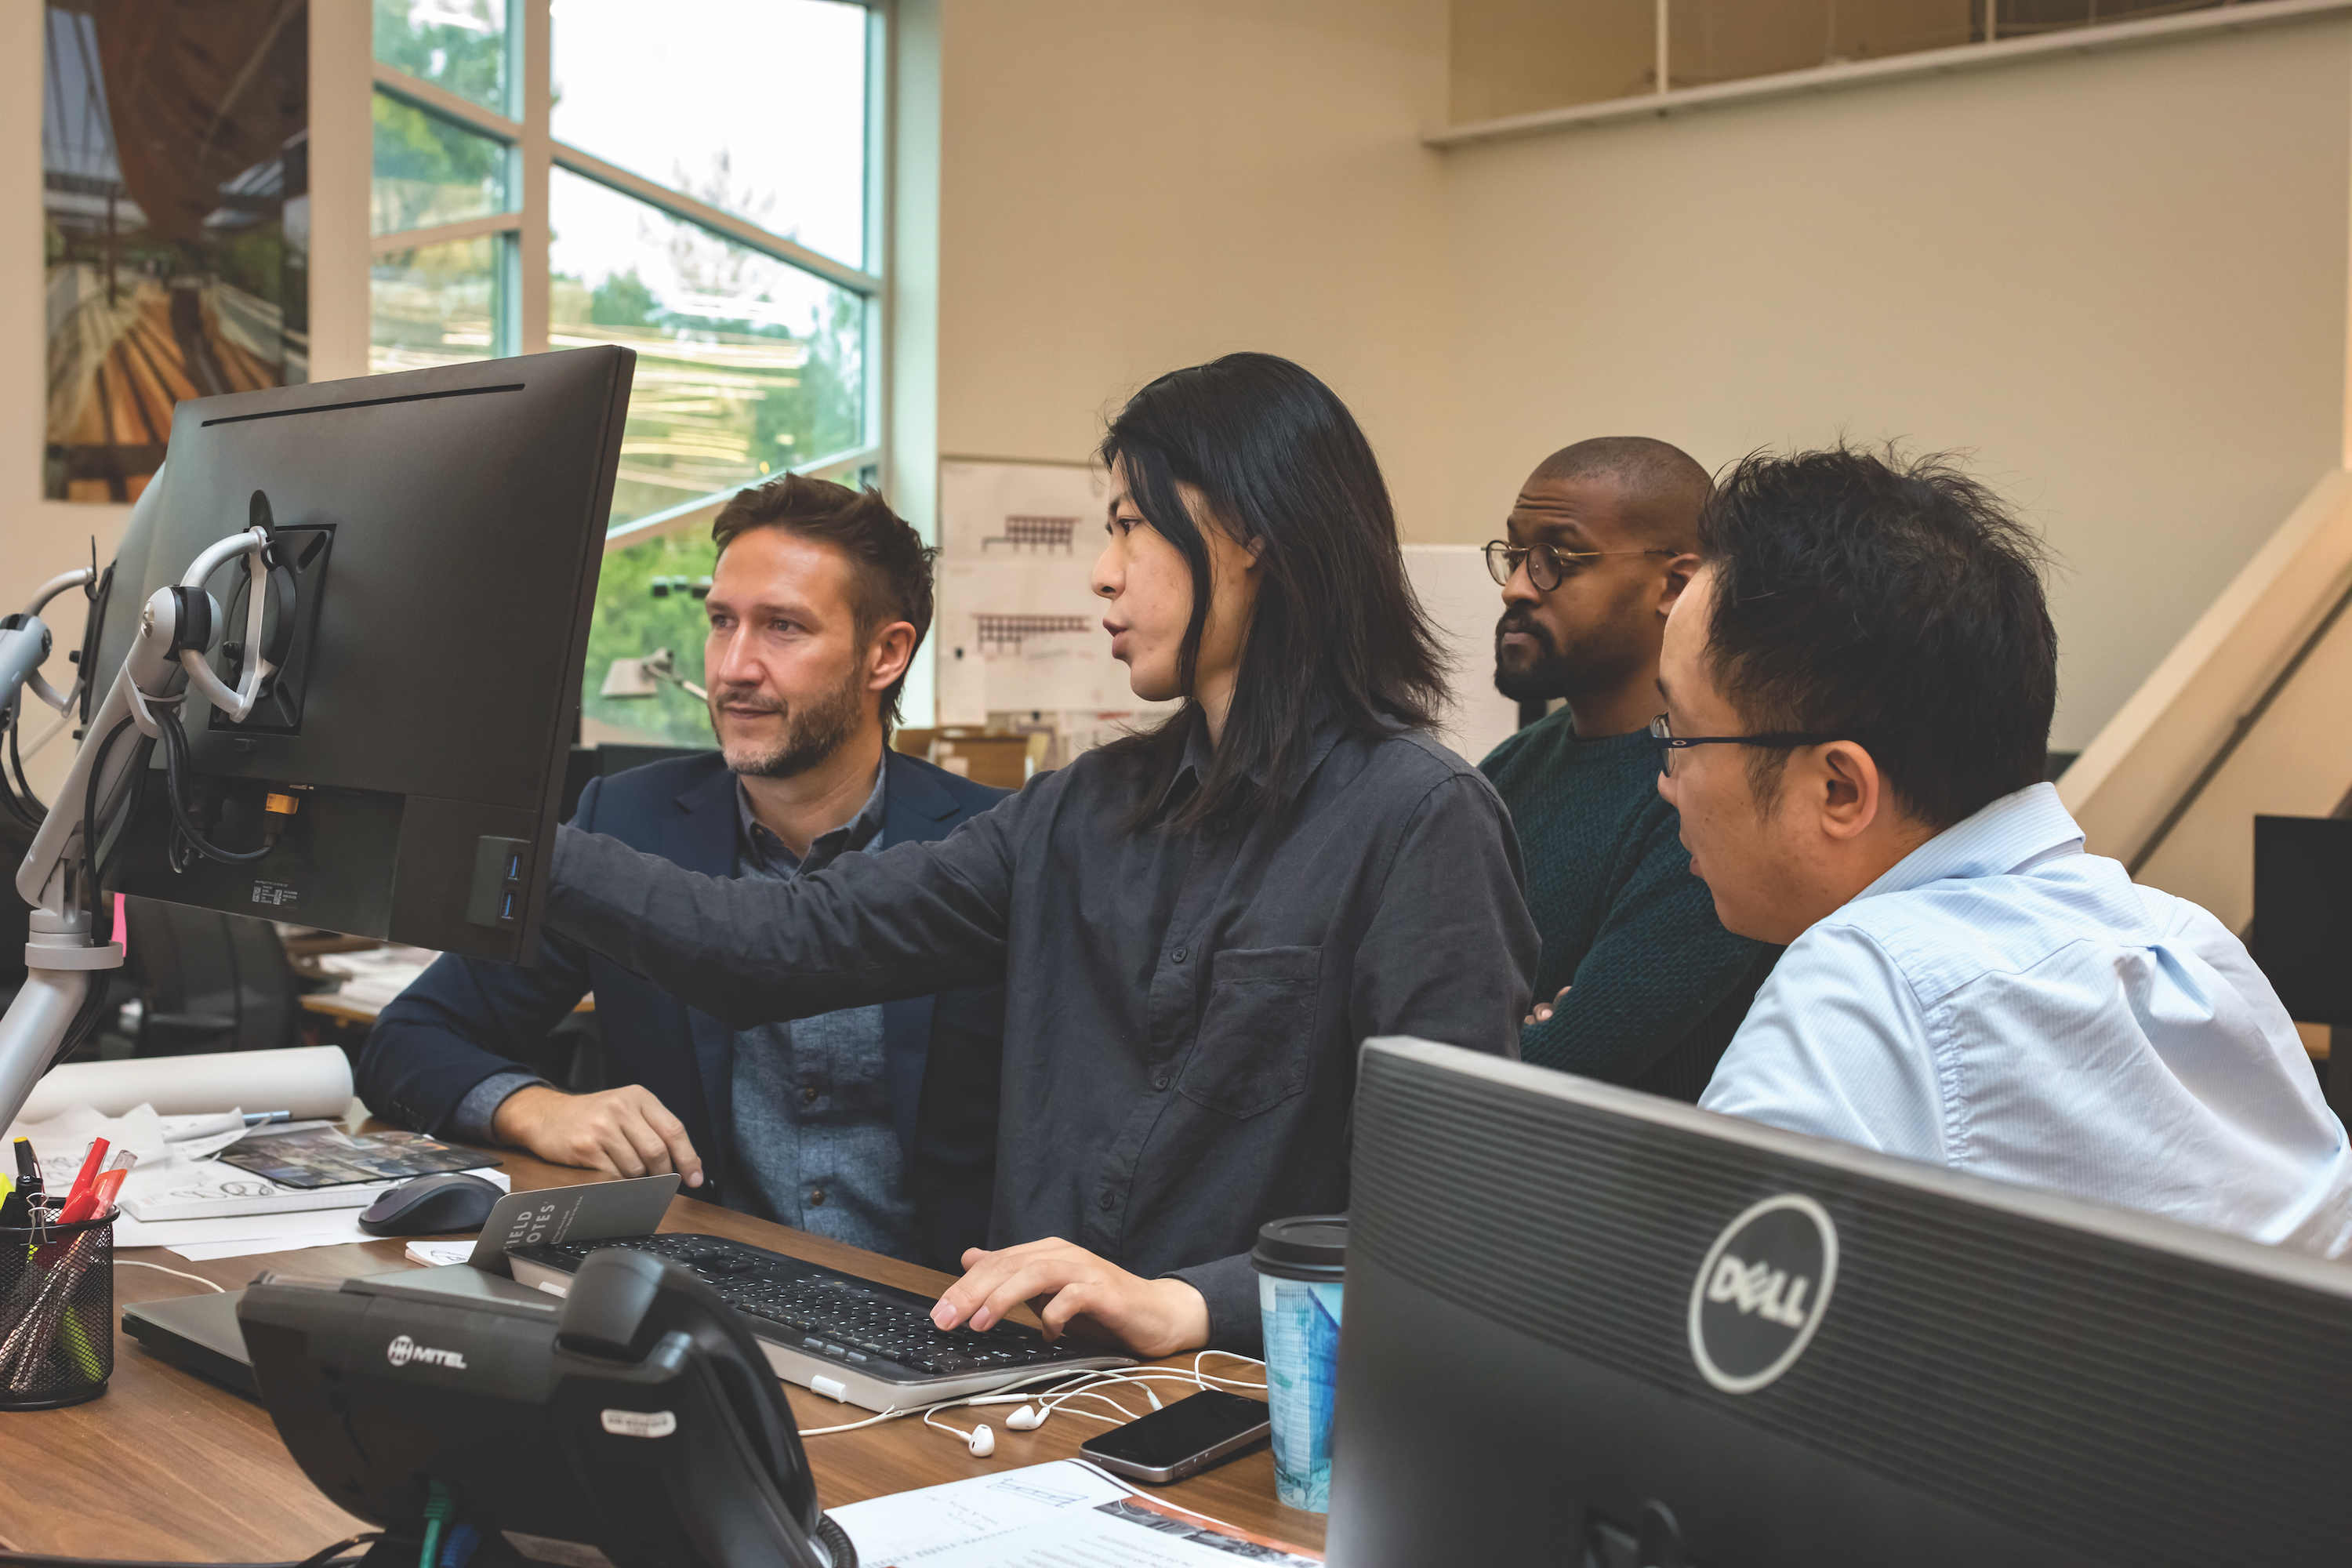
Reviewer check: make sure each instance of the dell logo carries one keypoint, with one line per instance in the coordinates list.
(1761, 1292)
(403, 1349)
(1760, 1287)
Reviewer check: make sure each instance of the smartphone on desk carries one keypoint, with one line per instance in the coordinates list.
(1183, 1439)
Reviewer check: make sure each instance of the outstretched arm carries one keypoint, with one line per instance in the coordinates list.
(916, 919)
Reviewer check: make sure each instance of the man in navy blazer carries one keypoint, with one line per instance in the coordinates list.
(877, 1125)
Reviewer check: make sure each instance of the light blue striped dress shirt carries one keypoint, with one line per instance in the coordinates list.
(2004, 1004)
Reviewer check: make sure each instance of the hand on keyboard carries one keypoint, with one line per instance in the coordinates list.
(1151, 1316)
(828, 1313)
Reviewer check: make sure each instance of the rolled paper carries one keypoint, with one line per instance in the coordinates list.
(311, 1081)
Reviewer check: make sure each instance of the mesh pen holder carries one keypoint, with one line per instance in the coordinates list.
(56, 1314)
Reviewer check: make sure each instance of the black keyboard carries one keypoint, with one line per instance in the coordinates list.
(825, 1313)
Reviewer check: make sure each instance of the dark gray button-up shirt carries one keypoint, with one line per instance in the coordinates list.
(1182, 1010)
(814, 1139)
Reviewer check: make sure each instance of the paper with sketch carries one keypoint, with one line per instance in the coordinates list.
(203, 1191)
(241, 1234)
(60, 1141)
(1025, 636)
(1059, 1515)
(992, 511)
(208, 1190)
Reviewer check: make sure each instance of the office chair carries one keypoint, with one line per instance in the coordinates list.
(208, 982)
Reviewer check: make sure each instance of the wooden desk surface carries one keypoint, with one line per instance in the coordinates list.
(330, 1005)
(170, 1466)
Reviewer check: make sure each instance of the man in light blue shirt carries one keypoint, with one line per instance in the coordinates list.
(1858, 687)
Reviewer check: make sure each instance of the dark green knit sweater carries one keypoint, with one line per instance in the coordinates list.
(1660, 986)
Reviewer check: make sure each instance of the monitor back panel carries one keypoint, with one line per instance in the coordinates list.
(449, 526)
(1518, 1377)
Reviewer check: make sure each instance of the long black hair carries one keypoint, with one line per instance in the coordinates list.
(1282, 468)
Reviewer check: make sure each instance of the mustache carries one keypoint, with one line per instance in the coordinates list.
(1518, 619)
(722, 698)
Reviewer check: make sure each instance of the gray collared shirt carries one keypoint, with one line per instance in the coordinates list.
(816, 1148)
(1182, 1009)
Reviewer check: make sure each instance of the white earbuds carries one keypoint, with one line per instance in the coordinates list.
(981, 1440)
(1032, 1411)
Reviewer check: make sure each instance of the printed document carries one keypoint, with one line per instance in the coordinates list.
(1065, 1514)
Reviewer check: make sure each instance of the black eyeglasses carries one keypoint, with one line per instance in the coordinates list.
(1546, 563)
(1668, 742)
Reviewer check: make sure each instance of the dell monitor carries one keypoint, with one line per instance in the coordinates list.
(1591, 1327)
(439, 534)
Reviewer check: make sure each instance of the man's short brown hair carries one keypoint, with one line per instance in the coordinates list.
(890, 566)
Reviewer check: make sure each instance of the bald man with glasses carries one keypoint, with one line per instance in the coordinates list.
(1647, 988)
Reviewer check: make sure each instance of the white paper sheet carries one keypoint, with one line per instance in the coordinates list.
(206, 1251)
(438, 1254)
(185, 1190)
(236, 1236)
(1058, 1515)
(61, 1141)
(1024, 635)
(990, 511)
(372, 978)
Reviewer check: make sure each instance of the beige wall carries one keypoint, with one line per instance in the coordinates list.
(1131, 185)
(2118, 279)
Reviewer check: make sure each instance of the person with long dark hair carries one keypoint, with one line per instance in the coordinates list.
(1196, 926)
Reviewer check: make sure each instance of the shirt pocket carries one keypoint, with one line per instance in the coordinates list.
(1257, 1032)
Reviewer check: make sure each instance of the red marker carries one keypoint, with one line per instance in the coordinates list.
(90, 1168)
(94, 1199)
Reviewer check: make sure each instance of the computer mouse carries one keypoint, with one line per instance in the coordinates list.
(429, 1205)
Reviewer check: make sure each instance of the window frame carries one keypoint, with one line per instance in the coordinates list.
(523, 233)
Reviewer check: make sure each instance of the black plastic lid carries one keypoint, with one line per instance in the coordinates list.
(1312, 1247)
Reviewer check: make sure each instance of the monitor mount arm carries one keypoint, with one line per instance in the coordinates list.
(178, 627)
(24, 643)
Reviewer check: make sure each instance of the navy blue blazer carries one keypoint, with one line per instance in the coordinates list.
(465, 1020)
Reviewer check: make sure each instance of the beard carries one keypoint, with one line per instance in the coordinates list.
(812, 732)
(1549, 674)
(1602, 661)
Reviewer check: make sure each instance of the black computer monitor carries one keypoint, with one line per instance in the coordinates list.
(444, 528)
(1572, 1309)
